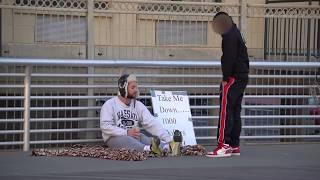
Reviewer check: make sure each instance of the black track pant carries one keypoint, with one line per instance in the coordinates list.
(229, 127)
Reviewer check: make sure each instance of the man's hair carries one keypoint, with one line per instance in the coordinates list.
(224, 19)
(219, 14)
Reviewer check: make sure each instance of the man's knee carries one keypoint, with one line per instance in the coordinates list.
(127, 142)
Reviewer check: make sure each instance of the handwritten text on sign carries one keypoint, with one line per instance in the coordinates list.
(172, 110)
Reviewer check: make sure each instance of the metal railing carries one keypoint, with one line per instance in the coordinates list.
(152, 39)
(44, 104)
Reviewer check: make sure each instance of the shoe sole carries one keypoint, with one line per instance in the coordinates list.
(235, 154)
(220, 155)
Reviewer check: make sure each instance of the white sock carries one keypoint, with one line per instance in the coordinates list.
(166, 147)
(147, 148)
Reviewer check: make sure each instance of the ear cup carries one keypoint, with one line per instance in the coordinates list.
(123, 85)
(123, 90)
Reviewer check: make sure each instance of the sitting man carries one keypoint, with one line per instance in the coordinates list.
(121, 116)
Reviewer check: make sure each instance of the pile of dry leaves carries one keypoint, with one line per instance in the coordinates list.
(101, 151)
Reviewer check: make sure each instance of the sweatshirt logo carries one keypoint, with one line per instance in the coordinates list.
(127, 119)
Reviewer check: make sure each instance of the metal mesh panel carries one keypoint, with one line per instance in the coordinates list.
(11, 98)
(276, 107)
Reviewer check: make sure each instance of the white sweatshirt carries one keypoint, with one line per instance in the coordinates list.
(116, 118)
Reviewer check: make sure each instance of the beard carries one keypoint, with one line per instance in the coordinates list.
(132, 96)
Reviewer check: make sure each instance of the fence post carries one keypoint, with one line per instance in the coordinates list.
(309, 37)
(243, 30)
(90, 56)
(26, 115)
(243, 18)
(90, 33)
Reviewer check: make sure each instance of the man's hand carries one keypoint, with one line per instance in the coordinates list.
(223, 83)
(134, 132)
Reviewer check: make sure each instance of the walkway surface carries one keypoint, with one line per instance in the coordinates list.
(260, 162)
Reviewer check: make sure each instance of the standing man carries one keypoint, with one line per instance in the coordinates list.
(235, 70)
(121, 116)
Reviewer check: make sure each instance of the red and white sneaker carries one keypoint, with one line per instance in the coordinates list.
(235, 151)
(221, 151)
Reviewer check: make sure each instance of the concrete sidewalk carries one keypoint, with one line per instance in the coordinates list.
(261, 162)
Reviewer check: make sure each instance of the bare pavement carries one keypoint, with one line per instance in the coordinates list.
(261, 162)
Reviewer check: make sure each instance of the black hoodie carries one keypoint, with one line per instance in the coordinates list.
(234, 60)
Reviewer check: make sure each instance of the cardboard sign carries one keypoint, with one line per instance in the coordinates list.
(172, 110)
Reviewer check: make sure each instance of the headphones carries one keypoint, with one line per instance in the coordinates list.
(123, 83)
